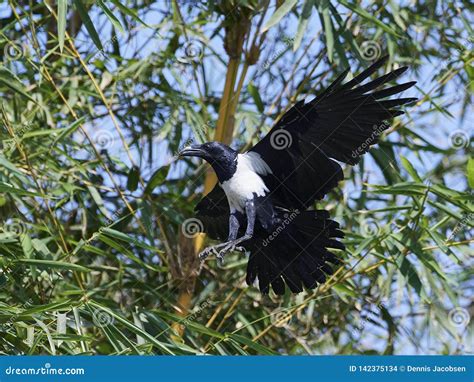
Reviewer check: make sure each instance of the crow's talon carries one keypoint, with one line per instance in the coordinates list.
(218, 252)
(208, 251)
(220, 258)
(230, 248)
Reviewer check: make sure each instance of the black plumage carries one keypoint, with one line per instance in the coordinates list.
(293, 166)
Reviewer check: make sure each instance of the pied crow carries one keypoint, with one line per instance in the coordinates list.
(263, 201)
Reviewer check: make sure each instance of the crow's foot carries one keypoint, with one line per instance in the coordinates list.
(220, 250)
(213, 250)
(228, 247)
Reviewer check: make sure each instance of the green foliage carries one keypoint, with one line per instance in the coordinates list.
(97, 97)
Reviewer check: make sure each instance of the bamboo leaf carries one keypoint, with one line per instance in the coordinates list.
(62, 15)
(410, 169)
(157, 179)
(133, 328)
(129, 11)
(52, 264)
(115, 21)
(281, 11)
(133, 178)
(303, 22)
(16, 191)
(367, 16)
(328, 28)
(8, 79)
(260, 349)
(83, 13)
(98, 200)
(68, 130)
(256, 96)
(470, 172)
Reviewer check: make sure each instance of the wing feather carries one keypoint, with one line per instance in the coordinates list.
(338, 125)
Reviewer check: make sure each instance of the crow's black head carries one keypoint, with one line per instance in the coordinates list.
(221, 157)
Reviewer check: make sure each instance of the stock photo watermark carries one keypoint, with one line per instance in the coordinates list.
(13, 51)
(466, 220)
(101, 318)
(370, 50)
(459, 317)
(459, 139)
(287, 41)
(18, 133)
(188, 56)
(366, 319)
(377, 130)
(369, 227)
(281, 317)
(192, 227)
(281, 139)
(104, 139)
(46, 369)
(287, 219)
(201, 132)
(14, 228)
(197, 311)
(12, 319)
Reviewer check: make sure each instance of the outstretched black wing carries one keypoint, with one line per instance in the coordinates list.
(302, 148)
(341, 123)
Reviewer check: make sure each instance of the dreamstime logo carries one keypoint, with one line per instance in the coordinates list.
(192, 227)
(370, 50)
(47, 369)
(13, 51)
(369, 317)
(191, 52)
(19, 132)
(201, 133)
(468, 217)
(111, 220)
(101, 318)
(281, 317)
(459, 317)
(364, 146)
(187, 143)
(281, 139)
(287, 41)
(189, 319)
(288, 218)
(103, 138)
(370, 227)
(459, 139)
(15, 227)
(13, 318)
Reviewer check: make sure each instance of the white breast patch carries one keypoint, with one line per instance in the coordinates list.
(246, 181)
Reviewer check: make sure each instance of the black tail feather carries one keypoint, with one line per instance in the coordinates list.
(295, 253)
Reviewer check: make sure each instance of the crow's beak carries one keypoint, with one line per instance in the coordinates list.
(192, 151)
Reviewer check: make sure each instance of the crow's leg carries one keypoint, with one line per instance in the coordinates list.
(233, 245)
(233, 231)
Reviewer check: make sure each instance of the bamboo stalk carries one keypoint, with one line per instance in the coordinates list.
(234, 45)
